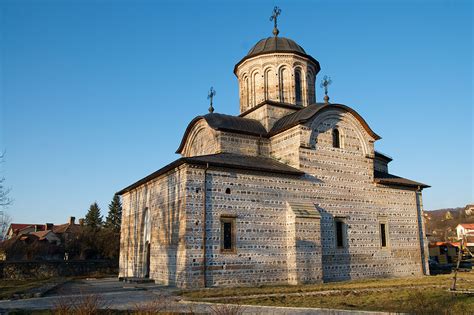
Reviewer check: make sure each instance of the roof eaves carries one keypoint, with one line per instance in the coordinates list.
(198, 160)
(400, 183)
(153, 175)
(383, 156)
(288, 171)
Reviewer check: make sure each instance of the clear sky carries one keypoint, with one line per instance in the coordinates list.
(97, 94)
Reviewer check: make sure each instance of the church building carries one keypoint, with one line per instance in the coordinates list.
(290, 191)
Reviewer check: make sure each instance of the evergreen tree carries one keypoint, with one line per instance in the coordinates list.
(93, 218)
(114, 217)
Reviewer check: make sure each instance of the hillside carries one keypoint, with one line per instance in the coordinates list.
(441, 224)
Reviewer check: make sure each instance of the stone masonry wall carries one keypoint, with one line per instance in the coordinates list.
(264, 233)
(285, 146)
(346, 190)
(272, 245)
(243, 144)
(164, 201)
(268, 114)
(264, 237)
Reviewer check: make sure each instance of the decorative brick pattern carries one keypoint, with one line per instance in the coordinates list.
(285, 225)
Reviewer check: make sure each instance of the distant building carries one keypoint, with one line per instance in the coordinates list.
(466, 230)
(18, 229)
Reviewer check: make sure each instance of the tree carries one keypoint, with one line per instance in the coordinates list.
(5, 220)
(114, 217)
(93, 218)
(4, 199)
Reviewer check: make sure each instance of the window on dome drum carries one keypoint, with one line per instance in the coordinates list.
(228, 234)
(247, 92)
(282, 85)
(298, 88)
(336, 141)
(340, 230)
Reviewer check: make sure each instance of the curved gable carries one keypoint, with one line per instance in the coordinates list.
(200, 139)
(309, 112)
(223, 122)
(352, 135)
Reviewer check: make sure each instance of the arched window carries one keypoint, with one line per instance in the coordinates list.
(336, 143)
(247, 93)
(266, 84)
(282, 85)
(254, 88)
(298, 93)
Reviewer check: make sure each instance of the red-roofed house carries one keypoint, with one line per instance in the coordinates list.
(466, 229)
(22, 228)
(47, 236)
(65, 229)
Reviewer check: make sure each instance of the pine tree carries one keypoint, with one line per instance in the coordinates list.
(93, 218)
(114, 217)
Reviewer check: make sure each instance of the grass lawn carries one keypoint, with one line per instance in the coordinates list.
(422, 295)
(10, 287)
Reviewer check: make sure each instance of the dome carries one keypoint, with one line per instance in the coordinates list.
(275, 44)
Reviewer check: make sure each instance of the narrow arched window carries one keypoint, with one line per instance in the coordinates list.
(247, 92)
(254, 88)
(336, 143)
(266, 84)
(282, 85)
(298, 87)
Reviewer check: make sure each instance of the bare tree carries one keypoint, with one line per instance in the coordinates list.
(4, 191)
(5, 201)
(5, 220)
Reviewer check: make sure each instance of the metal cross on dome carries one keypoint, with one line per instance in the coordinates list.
(324, 84)
(210, 96)
(274, 18)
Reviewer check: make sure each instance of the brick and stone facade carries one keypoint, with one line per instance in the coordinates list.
(288, 192)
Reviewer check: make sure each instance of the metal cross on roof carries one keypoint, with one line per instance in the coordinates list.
(210, 96)
(324, 84)
(274, 18)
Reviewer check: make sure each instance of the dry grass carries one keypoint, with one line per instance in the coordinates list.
(85, 304)
(226, 309)
(158, 305)
(8, 288)
(432, 301)
(422, 295)
(382, 283)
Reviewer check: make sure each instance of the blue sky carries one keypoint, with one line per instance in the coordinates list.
(97, 94)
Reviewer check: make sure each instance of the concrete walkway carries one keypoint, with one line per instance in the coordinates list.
(115, 295)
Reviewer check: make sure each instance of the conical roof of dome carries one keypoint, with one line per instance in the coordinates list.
(275, 44)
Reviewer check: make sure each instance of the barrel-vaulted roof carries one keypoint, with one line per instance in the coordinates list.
(253, 127)
(305, 114)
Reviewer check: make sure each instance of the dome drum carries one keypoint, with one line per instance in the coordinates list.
(276, 69)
